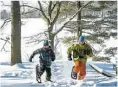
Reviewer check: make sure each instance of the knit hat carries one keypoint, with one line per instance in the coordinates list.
(81, 38)
(46, 43)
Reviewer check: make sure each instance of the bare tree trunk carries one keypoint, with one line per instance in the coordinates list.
(15, 33)
(79, 30)
(52, 42)
(51, 37)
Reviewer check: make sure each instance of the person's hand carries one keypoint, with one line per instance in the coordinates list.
(81, 57)
(69, 58)
(53, 59)
(30, 60)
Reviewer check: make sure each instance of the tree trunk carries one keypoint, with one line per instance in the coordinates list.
(51, 37)
(79, 30)
(15, 33)
(52, 43)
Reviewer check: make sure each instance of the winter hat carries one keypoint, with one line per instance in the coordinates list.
(81, 38)
(46, 43)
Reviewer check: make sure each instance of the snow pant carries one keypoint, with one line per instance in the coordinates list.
(40, 70)
(80, 69)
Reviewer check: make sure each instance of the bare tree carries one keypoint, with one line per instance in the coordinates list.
(15, 33)
(55, 6)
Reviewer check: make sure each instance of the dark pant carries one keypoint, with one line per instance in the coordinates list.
(40, 70)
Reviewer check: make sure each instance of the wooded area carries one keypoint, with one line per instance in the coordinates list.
(78, 17)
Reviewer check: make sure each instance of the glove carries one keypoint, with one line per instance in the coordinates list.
(53, 59)
(30, 59)
(69, 58)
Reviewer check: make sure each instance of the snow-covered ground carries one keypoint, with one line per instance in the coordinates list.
(23, 75)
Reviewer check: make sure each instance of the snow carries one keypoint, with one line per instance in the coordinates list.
(30, 26)
(23, 75)
(102, 71)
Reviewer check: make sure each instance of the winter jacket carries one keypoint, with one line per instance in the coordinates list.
(46, 56)
(80, 51)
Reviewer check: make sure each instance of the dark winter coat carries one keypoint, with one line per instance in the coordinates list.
(46, 56)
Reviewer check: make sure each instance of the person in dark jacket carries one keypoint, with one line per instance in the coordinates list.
(46, 57)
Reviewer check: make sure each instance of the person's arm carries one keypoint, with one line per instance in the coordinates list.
(34, 53)
(53, 55)
(90, 52)
(70, 49)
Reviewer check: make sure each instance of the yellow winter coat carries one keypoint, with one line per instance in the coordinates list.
(80, 50)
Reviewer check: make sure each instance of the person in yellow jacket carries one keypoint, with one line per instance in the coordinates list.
(81, 50)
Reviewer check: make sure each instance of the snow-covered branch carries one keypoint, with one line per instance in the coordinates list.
(60, 29)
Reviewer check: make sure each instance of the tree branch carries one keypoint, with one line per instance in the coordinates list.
(111, 25)
(57, 14)
(29, 7)
(35, 38)
(60, 29)
(5, 21)
(36, 34)
(87, 33)
(6, 40)
(4, 4)
(49, 9)
(41, 9)
(53, 6)
(9, 19)
(28, 12)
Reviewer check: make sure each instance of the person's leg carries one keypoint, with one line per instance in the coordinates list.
(76, 67)
(82, 70)
(48, 73)
(75, 70)
(39, 71)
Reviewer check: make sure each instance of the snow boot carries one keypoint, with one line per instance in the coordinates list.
(48, 79)
(38, 76)
(38, 79)
(73, 74)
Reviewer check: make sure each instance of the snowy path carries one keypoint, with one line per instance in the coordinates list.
(25, 76)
